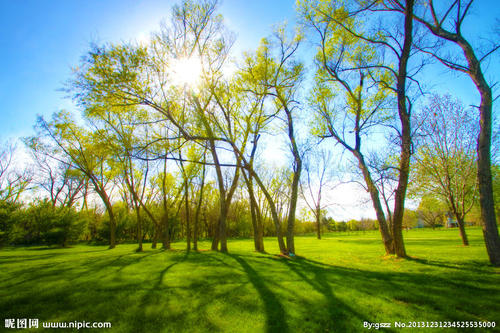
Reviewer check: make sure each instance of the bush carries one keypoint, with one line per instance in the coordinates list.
(42, 223)
(7, 220)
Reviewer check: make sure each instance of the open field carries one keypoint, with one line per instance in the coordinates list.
(341, 281)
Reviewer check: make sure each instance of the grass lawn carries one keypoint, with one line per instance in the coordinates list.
(336, 285)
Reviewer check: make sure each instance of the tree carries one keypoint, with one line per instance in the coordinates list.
(317, 177)
(275, 73)
(446, 22)
(87, 153)
(12, 182)
(445, 158)
(350, 53)
(431, 211)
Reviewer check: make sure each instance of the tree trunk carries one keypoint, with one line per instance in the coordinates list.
(404, 117)
(215, 236)
(166, 232)
(254, 210)
(222, 228)
(290, 242)
(112, 229)
(154, 240)
(461, 226)
(377, 205)
(188, 226)
(197, 213)
(318, 221)
(139, 227)
(485, 183)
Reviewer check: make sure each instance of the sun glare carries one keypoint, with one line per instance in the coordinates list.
(186, 71)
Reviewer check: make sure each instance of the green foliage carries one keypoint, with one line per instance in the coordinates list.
(42, 223)
(7, 220)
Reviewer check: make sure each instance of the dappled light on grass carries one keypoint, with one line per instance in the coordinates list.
(334, 285)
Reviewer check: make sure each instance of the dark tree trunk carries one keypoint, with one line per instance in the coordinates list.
(461, 227)
(139, 227)
(166, 232)
(377, 205)
(486, 201)
(188, 218)
(198, 210)
(215, 236)
(318, 222)
(256, 219)
(290, 242)
(404, 117)
(485, 183)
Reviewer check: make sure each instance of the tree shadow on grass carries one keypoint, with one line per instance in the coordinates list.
(337, 310)
(296, 295)
(275, 313)
(451, 298)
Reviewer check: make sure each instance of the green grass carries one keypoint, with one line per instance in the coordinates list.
(336, 285)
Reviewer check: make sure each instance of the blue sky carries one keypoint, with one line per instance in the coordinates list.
(42, 40)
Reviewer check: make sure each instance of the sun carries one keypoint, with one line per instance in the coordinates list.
(186, 71)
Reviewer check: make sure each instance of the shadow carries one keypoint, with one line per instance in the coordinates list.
(166, 269)
(319, 281)
(177, 291)
(275, 313)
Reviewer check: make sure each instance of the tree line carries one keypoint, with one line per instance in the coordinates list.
(172, 150)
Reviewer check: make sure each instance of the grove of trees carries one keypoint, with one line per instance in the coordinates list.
(171, 137)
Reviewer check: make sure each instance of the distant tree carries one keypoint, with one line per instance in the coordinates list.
(13, 181)
(410, 219)
(431, 211)
(445, 158)
(317, 179)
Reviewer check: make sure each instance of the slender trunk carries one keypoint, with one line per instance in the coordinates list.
(112, 221)
(165, 224)
(215, 236)
(165, 232)
(274, 213)
(188, 226)
(485, 182)
(377, 205)
(254, 211)
(154, 240)
(461, 227)
(139, 227)
(198, 209)
(318, 221)
(290, 242)
(112, 229)
(404, 117)
(272, 205)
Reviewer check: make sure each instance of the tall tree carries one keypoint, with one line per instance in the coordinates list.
(381, 55)
(87, 153)
(446, 21)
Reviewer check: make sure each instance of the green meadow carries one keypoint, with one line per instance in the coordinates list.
(334, 285)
